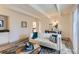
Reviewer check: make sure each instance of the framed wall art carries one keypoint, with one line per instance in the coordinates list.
(23, 24)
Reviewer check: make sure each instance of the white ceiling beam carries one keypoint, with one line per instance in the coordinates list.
(40, 10)
(58, 9)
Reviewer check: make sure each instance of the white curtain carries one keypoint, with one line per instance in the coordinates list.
(75, 27)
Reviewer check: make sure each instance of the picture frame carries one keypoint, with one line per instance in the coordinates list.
(3, 22)
(24, 24)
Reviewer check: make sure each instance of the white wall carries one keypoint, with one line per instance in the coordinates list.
(15, 19)
(15, 24)
(66, 25)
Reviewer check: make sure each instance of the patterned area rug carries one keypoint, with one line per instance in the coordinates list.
(45, 50)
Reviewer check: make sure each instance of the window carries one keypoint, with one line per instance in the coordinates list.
(1, 23)
(34, 26)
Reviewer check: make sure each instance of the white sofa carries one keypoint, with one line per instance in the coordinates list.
(44, 41)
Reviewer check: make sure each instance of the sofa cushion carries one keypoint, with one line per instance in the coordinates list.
(53, 38)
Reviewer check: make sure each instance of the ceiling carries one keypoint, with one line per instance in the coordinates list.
(42, 10)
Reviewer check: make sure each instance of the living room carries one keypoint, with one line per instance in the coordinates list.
(22, 20)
